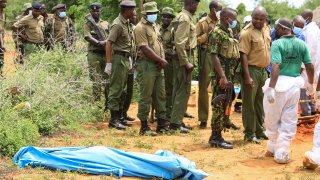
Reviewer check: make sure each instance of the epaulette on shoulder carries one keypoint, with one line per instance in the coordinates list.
(247, 27)
(202, 19)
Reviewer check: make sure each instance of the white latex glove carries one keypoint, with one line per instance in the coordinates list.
(309, 89)
(271, 95)
(130, 63)
(108, 68)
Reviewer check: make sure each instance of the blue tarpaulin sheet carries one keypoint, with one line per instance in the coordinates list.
(109, 161)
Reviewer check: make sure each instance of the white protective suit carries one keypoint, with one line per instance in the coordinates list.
(312, 39)
(281, 117)
(314, 154)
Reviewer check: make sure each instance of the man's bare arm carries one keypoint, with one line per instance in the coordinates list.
(274, 75)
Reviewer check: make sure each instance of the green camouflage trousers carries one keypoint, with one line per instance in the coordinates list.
(118, 82)
(152, 90)
(97, 64)
(219, 120)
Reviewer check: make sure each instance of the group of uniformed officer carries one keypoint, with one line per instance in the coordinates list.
(162, 55)
(34, 29)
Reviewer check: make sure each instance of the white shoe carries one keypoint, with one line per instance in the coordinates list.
(308, 162)
(282, 158)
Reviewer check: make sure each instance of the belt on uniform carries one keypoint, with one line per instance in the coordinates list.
(98, 51)
(257, 67)
(122, 53)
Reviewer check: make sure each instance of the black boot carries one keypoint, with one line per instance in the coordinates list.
(128, 118)
(145, 129)
(203, 125)
(175, 127)
(185, 126)
(230, 125)
(114, 121)
(123, 121)
(216, 140)
(162, 126)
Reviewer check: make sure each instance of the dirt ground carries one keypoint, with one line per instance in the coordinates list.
(246, 161)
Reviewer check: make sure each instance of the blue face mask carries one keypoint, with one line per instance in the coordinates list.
(152, 18)
(62, 14)
(297, 30)
(233, 24)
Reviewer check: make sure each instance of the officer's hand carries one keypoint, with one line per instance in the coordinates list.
(162, 64)
(249, 82)
(108, 68)
(102, 43)
(309, 89)
(271, 95)
(189, 67)
(23, 37)
(223, 82)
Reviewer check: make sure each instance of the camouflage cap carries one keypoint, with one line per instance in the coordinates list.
(95, 6)
(59, 6)
(168, 11)
(26, 6)
(127, 3)
(150, 7)
(36, 5)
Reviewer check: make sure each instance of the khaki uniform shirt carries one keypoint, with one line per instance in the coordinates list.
(89, 31)
(185, 36)
(203, 27)
(120, 35)
(147, 34)
(256, 45)
(167, 41)
(33, 28)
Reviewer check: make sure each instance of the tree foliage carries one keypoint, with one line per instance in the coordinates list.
(278, 10)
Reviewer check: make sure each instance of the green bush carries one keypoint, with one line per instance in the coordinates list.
(15, 132)
(57, 85)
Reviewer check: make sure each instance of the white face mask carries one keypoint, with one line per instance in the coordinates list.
(30, 12)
